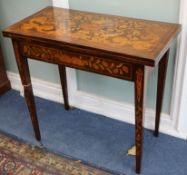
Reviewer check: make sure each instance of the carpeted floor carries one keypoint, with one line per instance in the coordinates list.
(92, 138)
(17, 158)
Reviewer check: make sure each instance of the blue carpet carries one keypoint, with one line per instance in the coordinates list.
(92, 138)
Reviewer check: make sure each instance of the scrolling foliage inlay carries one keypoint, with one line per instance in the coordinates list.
(139, 108)
(112, 68)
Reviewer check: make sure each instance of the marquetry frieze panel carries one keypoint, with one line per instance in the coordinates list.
(99, 65)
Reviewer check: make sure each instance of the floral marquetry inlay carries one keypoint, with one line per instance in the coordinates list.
(95, 64)
(139, 89)
(118, 34)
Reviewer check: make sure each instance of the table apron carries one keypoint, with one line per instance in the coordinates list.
(113, 68)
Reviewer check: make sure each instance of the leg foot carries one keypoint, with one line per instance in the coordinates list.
(62, 71)
(139, 107)
(23, 68)
(160, 90)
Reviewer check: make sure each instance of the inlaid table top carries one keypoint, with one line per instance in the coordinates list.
(143, 40)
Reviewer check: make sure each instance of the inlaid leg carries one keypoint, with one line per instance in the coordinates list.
(23, 68)
(139, 107)
(160, 89)
(62, 71)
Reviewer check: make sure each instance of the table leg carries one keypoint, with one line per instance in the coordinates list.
(62, 71)
(139, 107)
(160, 89)
(23, 68)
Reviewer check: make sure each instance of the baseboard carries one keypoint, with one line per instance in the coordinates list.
(43, 89)
(123, 112)
(96, 104)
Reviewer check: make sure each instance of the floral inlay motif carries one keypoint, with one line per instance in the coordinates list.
(139, 108)
(90, 28)
(100, 65)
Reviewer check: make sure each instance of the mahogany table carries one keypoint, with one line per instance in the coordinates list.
(116, 46)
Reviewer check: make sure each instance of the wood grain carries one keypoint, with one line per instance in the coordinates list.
(24, 72)
(139, 79)
(162, 70)
(145, 41)
(84, 62)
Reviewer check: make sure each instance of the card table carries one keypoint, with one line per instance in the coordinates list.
(115, 46)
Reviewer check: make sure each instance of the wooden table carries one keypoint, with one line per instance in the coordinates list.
(110, 45)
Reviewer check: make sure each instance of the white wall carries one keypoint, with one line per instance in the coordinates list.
(182, 78)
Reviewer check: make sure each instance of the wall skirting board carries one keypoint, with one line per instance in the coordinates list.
(61, 3)
(92, 103)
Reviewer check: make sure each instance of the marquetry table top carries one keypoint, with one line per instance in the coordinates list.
(131, 37)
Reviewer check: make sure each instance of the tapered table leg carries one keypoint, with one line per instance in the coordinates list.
(62, 71)
(139, 107)
(23, 68)
(160, 89)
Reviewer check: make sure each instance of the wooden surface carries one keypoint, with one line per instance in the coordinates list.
(109, 45)
(162, 70)
(144, 41)
(4, 82)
